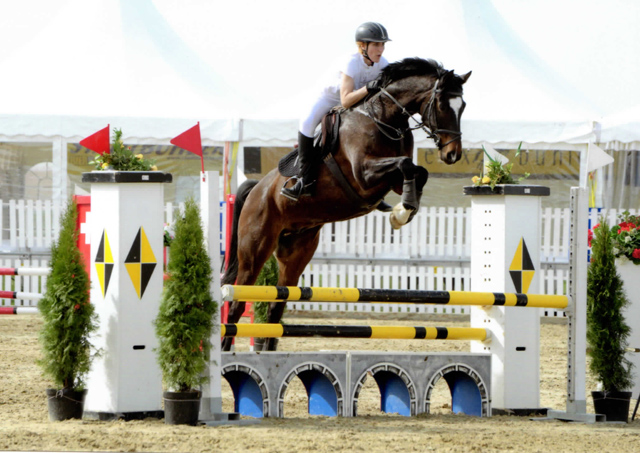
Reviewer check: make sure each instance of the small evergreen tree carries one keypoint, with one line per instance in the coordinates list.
(68, 317)
(185, 321)
(607, 331)
(268, 277)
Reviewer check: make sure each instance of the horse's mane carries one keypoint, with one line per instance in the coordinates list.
(410, 67)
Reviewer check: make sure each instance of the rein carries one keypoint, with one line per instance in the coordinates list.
(432, 130)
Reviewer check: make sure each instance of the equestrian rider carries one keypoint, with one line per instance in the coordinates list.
(352, 83)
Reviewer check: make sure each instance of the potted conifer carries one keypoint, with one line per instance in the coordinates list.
(185, 321)
(607, 330)
(68, 319)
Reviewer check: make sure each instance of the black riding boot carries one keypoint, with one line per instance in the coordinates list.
(308, 170)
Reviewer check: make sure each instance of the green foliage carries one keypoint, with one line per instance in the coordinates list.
(607, 331)
(185, 321)
(121, 158)
(496, 172)
(268, 277)
(68, 317)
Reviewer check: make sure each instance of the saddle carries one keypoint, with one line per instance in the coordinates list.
(326, 143)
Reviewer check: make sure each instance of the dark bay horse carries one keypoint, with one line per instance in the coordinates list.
(375, 156)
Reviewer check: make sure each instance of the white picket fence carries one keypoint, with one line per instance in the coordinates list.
(433, 253)
(436, 234)
(28, 225)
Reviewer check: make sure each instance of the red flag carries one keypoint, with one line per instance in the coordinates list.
(190, 140)
(98, 142)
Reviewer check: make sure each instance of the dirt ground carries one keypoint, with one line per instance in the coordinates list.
(24, 424)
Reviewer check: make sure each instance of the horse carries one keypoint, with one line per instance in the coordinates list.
(374, 155)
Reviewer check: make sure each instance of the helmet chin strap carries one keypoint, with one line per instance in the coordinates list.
(365, 53)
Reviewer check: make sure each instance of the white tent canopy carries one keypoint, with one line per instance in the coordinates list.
(621, 130)
(542, 71)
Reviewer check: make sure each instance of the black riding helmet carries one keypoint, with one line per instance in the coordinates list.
(372, 32)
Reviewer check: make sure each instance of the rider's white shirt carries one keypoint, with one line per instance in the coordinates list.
(356, 68)
(329, 96)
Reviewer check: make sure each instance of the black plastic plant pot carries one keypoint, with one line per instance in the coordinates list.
(614, 405)
(65, 404)
(181, 408)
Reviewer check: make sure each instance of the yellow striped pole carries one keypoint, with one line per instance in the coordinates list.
(376, 332)
(314, 294)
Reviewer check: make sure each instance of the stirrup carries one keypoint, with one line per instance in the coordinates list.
(306, 190)
(289, 192)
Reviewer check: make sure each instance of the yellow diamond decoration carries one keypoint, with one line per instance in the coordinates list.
(104, 263)
(140, 262)
(521, 269)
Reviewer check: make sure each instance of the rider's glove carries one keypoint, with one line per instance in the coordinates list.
(373, 87)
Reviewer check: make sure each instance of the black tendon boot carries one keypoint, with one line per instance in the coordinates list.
(308, 170)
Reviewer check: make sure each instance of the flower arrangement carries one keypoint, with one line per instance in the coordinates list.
(625, 237)
(495, 172)
(121, 158)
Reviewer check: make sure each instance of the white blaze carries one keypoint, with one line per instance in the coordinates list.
(456, 104)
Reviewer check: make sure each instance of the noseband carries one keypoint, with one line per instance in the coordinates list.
(429, 123)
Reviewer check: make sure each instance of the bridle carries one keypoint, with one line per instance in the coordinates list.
(429, 123)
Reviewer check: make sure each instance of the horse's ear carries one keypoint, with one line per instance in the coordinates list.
(465, 77)
(446, 77)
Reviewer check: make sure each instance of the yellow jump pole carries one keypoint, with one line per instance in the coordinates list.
(376, 332)
(313, 294)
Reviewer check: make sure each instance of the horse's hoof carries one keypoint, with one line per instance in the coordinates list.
(401, 215)
(394, 223)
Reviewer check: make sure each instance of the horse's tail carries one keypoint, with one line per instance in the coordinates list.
(230, 274)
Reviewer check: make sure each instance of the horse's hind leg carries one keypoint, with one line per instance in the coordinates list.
(254, 248)
(294, 251)
(236, 309)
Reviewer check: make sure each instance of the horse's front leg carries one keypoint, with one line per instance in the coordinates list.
(412, 189)
(413, 180)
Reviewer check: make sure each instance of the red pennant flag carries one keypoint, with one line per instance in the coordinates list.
(98, 142)
(190, 140)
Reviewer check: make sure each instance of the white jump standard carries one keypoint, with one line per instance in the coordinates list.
(126, 275)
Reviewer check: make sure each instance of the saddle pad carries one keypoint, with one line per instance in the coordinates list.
(288, 165)
(326, 143)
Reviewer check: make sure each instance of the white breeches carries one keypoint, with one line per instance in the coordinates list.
(314, 115)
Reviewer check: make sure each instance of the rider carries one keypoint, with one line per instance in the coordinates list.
(352, 83)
